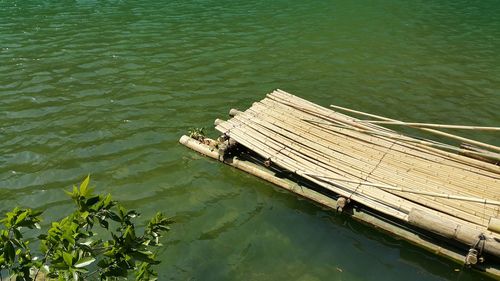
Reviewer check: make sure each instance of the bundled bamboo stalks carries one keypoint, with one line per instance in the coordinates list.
(318, 156)
(321, 145)
(431, 185)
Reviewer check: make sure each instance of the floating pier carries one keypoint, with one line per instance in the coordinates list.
(438, 196)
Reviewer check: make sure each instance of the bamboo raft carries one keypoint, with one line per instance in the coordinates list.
(441, 197)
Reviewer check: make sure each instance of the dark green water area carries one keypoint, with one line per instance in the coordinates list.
(108, 87)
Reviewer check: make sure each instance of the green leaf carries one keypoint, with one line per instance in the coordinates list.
(84, 215)
(17, 233)
(91, 201)
(10, 253)
(84, 185)
(107, 200)
(84, 262)
(68, 258)
(114, 216)
(21, 217)
(104, 223)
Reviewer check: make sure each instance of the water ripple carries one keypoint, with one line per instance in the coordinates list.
(108, 87)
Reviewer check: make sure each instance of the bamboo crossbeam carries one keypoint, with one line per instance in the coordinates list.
(436, 132)
(432, 125)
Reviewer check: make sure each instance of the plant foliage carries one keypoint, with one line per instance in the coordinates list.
(98, 240)
(197, 134)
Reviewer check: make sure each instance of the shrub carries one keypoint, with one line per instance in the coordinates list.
(98, 240)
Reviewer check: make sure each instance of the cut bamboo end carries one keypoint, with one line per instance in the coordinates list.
(199, 146)
(494, 225)
(233, 112)
(218, 121)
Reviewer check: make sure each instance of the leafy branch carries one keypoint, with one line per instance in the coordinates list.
(71, 249)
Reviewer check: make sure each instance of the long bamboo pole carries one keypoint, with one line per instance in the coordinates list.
(490, 155)
(433, 194)
(432, 125)
(436, 132)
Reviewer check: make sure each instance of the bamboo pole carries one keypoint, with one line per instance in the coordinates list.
(433, 194)
(218, 121)
(432, 125)
(436, 132)
(449, 229)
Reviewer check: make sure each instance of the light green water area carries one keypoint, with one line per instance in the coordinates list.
(108, 87)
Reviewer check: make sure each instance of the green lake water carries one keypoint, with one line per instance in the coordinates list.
(108, 87)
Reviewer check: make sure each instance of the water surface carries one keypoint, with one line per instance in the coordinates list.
(108, 87)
